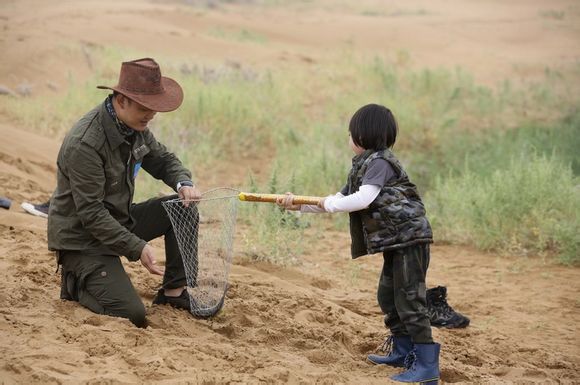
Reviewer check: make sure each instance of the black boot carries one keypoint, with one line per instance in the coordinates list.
(440, 313)
(423, 365)
(396, 348)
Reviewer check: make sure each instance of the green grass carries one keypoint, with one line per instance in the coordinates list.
(243, 35)
(460, 142)
(553, 14)
(529, 205)
(275, 235)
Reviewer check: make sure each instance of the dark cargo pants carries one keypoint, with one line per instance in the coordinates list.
(100, 283)
(402, 292)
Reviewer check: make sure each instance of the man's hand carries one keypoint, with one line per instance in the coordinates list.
(187, 194)
(287, 203)
(148, 260)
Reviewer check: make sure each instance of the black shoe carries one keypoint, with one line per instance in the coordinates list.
(440, 313)
(180, 302)
(5, 203)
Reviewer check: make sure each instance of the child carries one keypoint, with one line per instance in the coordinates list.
(387, 215)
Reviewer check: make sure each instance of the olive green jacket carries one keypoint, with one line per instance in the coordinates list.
(90, 210)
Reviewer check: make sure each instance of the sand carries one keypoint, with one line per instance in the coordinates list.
(313, 323)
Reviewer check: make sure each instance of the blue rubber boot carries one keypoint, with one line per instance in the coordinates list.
(422, 365)
(396, 349)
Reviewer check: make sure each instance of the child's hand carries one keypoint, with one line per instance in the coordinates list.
(321, 203)
(286, 202)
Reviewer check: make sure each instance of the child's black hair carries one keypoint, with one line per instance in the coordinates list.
(373, 127)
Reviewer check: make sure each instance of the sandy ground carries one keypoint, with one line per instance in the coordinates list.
(313, 323)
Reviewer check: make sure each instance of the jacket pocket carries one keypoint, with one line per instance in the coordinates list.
(114, 183)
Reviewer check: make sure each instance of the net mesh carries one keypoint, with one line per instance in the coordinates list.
(205, 234)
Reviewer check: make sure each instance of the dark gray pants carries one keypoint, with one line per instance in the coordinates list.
(100, 283)
(402, 292)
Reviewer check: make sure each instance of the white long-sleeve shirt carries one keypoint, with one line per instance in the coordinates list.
(339, 203)
(377, 174)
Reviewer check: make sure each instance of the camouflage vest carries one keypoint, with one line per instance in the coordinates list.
(395, 219)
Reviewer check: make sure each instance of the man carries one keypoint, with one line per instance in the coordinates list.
(92, 220)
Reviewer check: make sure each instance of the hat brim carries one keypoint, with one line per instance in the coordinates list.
(169, 100)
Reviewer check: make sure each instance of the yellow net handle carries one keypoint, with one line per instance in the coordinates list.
(271, 198)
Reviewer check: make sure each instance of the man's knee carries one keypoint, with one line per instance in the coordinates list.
(136, 314)
(134, 310)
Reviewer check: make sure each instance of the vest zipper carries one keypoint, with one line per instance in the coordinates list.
(405, 273)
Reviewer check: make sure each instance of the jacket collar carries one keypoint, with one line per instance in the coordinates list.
(111, 131)
(361, 157)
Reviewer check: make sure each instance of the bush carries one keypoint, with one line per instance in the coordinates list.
(531, 205)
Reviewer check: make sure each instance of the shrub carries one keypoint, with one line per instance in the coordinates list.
(530, 205)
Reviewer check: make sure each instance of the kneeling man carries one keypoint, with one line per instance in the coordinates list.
(92, 219)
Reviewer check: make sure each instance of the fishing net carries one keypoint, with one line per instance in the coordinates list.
(205, 234)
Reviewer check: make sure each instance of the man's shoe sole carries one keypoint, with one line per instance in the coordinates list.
(29, 208)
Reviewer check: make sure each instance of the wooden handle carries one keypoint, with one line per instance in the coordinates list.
(271, 198)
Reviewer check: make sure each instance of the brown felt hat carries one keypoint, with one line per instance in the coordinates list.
(140, 80)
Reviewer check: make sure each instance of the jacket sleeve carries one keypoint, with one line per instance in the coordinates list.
(88, 182)
(163, 164)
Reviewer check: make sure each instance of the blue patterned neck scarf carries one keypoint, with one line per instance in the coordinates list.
(122, 127)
